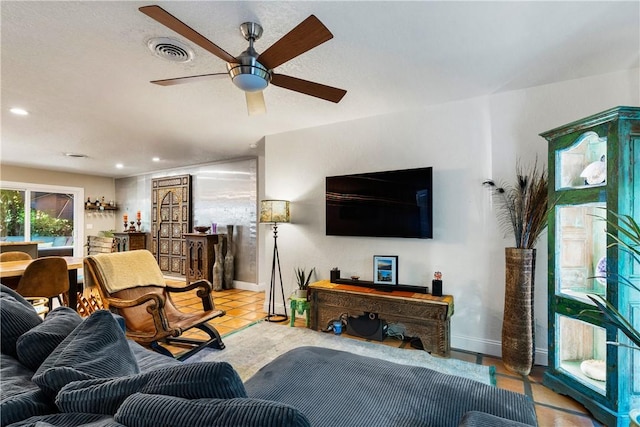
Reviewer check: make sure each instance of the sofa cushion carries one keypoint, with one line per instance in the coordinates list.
(17, 316)
(191, 381)
(148, 410)
(431, 398)
(20, 398)
(150, 360)
(35, 345)
(97, 348)
(69, 420)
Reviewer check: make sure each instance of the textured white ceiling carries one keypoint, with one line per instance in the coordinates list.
(82, 69)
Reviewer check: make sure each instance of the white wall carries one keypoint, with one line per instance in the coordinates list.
(465, 142)
(222, 192)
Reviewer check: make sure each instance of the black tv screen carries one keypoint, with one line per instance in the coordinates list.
(381, 204)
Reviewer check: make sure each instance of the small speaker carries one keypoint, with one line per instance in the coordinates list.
(334, 275)
(436, 288)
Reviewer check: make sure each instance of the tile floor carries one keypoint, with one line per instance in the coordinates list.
(245, 307)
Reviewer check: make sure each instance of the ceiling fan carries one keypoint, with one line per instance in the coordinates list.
(250, 71)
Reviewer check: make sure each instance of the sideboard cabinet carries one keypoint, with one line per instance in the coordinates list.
(594, 170)
(200, 256)
(130, 241)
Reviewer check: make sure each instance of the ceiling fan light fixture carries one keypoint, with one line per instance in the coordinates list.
(250, 82)
(249, 75)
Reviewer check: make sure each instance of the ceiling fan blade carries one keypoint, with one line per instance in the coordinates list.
(170, 21)
(190, 79)
(255, 103)
(318, 90)
(307, 35)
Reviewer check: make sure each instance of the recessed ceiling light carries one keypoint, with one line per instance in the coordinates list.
(119, 165)
(253, 145)
(76, 155)
(156, 159)
(19, 111)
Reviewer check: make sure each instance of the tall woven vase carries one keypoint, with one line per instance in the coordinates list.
(518, 326)
(229, 259)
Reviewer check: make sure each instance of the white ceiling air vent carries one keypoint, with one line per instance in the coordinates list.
(170, 49)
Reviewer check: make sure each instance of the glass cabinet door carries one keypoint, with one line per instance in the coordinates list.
(582, 352)
(583, 164)
(581, 244)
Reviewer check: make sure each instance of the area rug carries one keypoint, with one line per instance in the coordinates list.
(249, 349)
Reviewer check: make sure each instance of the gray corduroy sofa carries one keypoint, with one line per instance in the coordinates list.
(66, 372)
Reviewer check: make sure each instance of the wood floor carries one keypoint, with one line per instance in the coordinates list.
(245, 307)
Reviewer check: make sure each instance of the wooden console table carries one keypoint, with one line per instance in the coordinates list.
(423, 315)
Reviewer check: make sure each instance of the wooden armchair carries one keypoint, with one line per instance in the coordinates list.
(131, 284)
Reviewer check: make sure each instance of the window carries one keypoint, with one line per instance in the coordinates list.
(52, 216)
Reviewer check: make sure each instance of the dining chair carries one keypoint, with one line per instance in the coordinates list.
(12, 282)
(45, 277)
(132, 285)
(14, 256)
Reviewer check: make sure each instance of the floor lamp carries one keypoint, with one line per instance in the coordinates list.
(273, 212)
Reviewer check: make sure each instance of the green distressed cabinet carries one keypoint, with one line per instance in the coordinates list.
(594, 168)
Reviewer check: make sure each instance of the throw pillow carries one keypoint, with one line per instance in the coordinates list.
(148, 410)
(17, 316)
(35, 345)
(13, 293)
(97, 348)
(19, 397)
(191, 381)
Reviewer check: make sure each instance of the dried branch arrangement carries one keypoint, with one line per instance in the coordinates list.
(523, 207)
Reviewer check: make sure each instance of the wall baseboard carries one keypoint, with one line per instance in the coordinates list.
(248, 286)
(491, 347)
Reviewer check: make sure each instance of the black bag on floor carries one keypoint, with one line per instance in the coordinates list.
(368, 326)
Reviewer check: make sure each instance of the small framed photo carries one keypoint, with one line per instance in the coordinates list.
(385, 269)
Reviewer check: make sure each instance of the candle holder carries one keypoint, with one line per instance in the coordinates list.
(132, 227)
(139, 222)
(126, 226)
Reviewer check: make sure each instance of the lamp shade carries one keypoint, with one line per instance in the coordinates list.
(272, 211)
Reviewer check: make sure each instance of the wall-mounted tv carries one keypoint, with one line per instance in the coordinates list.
(381, 204)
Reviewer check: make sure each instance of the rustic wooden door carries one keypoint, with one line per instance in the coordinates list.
(171, 212)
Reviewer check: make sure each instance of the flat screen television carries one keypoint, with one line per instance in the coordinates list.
(381, 204)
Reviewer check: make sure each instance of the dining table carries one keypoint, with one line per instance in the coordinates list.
(16, 269)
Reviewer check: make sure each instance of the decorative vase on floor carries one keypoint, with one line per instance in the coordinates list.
(218, 265)
(518, 325)
(229, 259)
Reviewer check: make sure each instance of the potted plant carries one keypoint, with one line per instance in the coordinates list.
(303, 280)
(627, 238)
(522, 209)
